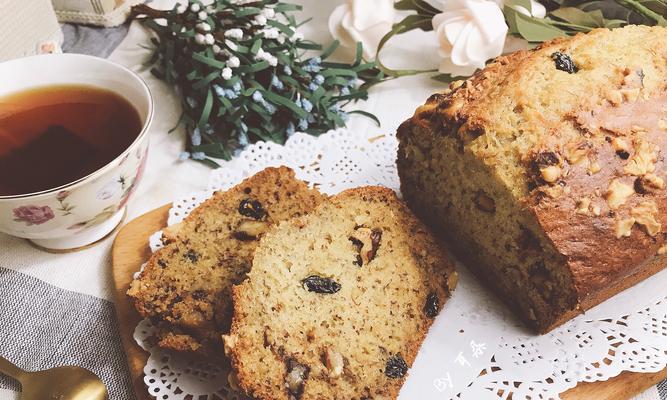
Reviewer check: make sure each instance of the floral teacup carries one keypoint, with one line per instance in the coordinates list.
(84, 211)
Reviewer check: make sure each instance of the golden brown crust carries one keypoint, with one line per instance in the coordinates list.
(582, 152)
(425, 265)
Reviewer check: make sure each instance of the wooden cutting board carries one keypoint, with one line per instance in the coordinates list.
(130, 250)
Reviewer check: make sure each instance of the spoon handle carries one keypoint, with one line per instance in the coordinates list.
(10, 369)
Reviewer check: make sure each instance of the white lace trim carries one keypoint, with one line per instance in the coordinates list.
(473, 334)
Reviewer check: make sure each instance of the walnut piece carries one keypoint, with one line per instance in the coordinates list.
(576, 152)
(643, 161)
(334, 362)
(630, 94)
(619, 144)
(663, 249)
(250, 229)
(583, 205)
(551, 173)
(645, 214)
(594, 167)
(618, 194)
(615, 97)
(367, 242)
(624, 227)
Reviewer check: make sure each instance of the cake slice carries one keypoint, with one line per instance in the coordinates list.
(338, 302)
(185, 286)
(547, 170)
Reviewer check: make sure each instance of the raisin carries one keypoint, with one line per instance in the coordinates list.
(623, 154)
(161, 263)
(484, 202)
(320, 284)
(191, 255)
(564, 63)
(431, 305)
(546, 158)
(396, 367)
(252, 209)
(376, 236)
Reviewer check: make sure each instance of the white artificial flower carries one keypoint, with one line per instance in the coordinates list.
(233, 62)
(538, 10)
(470, 32)
(296, 36)
(202, 15)
(260, 20)
(226, 73)
(365, 21)
(271, 33)
(266, 56)
(182, 8)
(203, 26)
(232, 46)
(195, 7)
(235, 33)
(268, 13)
(200, 39)
(209, 39)
(216, 49)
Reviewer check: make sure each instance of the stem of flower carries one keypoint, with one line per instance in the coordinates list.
(409, 23)
(643, 10)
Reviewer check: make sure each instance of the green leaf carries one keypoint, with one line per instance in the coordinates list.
(202, 83)
(253, 67)
(256, 45)
(526, 4)
(206, 111)
(444, 78)
(208, 61)
(534, 30)
(338, 72)
(281, 27)
(576, 16)
(366, 114)
(277, 99)
(329, 50)
(247, 12)
(420, 6)
(286, 7)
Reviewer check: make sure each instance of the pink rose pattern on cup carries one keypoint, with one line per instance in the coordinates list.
(33, 215)
(37, 215)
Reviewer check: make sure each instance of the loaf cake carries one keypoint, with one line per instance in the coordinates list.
(545, 170)
(338, 302)
(185, 286)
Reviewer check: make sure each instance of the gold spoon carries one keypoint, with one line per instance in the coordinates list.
(62, 383)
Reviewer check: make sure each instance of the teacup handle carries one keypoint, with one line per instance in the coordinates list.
(10, 369)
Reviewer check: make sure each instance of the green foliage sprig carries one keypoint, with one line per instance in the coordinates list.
(566, 17)
(244, 73)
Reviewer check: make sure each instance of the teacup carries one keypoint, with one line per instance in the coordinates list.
(82, 212)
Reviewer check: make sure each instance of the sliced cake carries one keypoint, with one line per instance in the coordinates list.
(185, 286)
(546, 170)
(338, 301)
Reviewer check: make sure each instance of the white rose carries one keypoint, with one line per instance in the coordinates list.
(365, 21)
(537, 9)
(470, 32)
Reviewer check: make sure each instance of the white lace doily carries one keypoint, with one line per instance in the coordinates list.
(475, 349)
